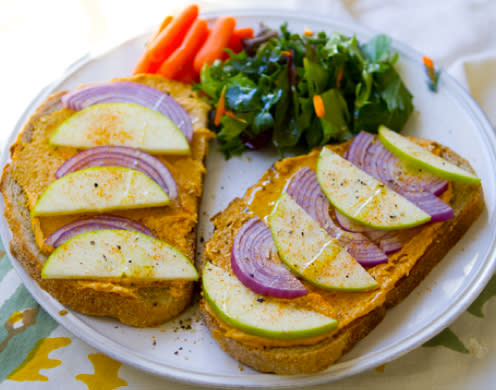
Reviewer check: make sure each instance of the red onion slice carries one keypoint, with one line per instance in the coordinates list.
(129, 92)
(371, 156)
(122, 156)
(305, 189)
(388, 241)
(256, 264)
(100, 222)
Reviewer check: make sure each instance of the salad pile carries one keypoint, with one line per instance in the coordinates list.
(299, 91)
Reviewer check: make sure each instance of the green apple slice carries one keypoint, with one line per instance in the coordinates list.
(362, 198)
(241, 308)
(100, 189)
(415, 155)
(311, 253)
(124, 124)
(117, 254)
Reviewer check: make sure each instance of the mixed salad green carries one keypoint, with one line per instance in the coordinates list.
(268, 91)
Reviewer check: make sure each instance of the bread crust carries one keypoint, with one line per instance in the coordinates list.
(140, 304)
(467, 203)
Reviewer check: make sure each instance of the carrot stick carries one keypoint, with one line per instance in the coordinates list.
(144, 65)
(235, 43)
(171, 36)
(318, 105)
(185, 53)
(218, 39)
(221, 107)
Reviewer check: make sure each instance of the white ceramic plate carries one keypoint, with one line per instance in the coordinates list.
(183, 349)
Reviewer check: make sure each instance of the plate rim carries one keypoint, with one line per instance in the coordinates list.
(180, 375)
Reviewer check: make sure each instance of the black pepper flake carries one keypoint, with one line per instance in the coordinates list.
(154, 342)
(392, 216)
(92, 242)
(129, 261)
(202, 239)
(119, 247)
(104, 257)
(302, 234)
(180, 348)
(252, 276)
(260, 300)
(176, 353)
(95, 185)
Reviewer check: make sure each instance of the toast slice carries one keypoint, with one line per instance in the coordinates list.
(357, 313)
(31, 170)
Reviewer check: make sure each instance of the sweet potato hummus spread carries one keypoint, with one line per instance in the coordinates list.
(343, 306)
(36, 161)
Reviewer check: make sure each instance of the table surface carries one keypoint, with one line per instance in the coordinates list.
(43, 38)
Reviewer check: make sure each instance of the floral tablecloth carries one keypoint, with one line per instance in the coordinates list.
(37, 353)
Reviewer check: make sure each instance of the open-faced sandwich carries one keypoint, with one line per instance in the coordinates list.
(102, 194)
(306, 263)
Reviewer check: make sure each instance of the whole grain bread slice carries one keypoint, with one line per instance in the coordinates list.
(137, 303)
(467, 202)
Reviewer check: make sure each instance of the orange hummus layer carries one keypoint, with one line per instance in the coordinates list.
(36, 162)
(343, 306)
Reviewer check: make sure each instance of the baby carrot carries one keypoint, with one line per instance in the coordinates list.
(216, 42)
(144, 64)
(185, 53)
(164, 24)
(235, 43)
(171, 36)
(187, 74)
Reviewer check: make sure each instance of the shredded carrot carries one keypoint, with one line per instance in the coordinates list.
(308, 33)
(233, 115)
(185, 53)
(286, 53)
(318, 105)
(170, 38)
(339, 77)
(221, 107)
(428, 62)
(144, 64)
(213, 48)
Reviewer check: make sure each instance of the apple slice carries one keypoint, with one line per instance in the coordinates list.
(416, 156)
(310, 252)
(124, 124)
(362, 198)
(241, 308)
(100, 189)
(117, 254)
